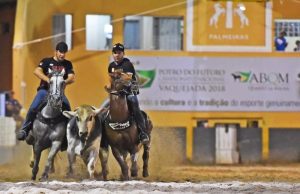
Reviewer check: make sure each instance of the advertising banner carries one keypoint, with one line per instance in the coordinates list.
(228, 26)
(218, 83)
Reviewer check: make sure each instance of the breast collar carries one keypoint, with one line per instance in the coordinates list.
(51, 121)
(118, 126)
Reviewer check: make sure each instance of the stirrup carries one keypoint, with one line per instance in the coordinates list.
(22, 135)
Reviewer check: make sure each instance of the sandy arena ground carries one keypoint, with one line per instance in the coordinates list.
(169, 173)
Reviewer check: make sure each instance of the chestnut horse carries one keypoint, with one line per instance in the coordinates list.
(121, 130)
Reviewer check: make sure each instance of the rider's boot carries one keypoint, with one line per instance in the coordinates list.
(27, 125)
(139, 118)
(143, 135)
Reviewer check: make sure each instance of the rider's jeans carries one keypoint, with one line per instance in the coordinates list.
(134, 106)
(40, 96)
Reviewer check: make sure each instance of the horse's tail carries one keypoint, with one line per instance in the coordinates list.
(148, 122)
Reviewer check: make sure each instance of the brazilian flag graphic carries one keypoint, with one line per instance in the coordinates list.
(242, 77)
(146, 77)
(245, 76)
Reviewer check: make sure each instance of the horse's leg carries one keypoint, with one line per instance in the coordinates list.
(103, 155)
(134, 168)
(122, 162)
(32, 158)
(54, 149)
(146, 159)
(52, 169)
(37, 156)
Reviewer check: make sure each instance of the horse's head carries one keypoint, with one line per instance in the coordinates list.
(120, 83)
(56, 89)
(85, 119)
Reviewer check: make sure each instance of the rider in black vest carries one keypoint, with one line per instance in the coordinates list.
(58, 62)
(124, 64)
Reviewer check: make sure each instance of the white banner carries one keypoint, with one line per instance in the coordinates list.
(218, 83)
(2, 104)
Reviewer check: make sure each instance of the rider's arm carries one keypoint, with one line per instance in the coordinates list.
(70, 79)
(70, 72)
(130, 68)
(40, 74)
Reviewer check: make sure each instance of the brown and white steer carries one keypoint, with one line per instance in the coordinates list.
(84, 134)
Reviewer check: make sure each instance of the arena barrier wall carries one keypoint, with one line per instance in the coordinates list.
(7, 138)
(248, 146)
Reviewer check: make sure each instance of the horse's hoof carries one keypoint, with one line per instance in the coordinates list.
(43, 178)
(134, 174)
(104, 175)
(33, 178)
(145, 174)
(124, 178)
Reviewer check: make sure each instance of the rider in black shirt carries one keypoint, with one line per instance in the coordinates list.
(124, 64)
(51, 63)
(58, 63)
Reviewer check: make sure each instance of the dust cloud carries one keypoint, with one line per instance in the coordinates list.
(167, 150)
(167, 163)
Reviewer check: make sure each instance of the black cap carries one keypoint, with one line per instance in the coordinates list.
(118, 47)
(62, 47)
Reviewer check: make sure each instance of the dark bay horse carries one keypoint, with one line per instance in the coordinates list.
(121, 129)
(49, 128)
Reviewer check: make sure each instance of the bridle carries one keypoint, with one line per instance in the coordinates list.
(56, 90)
(119, 85)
